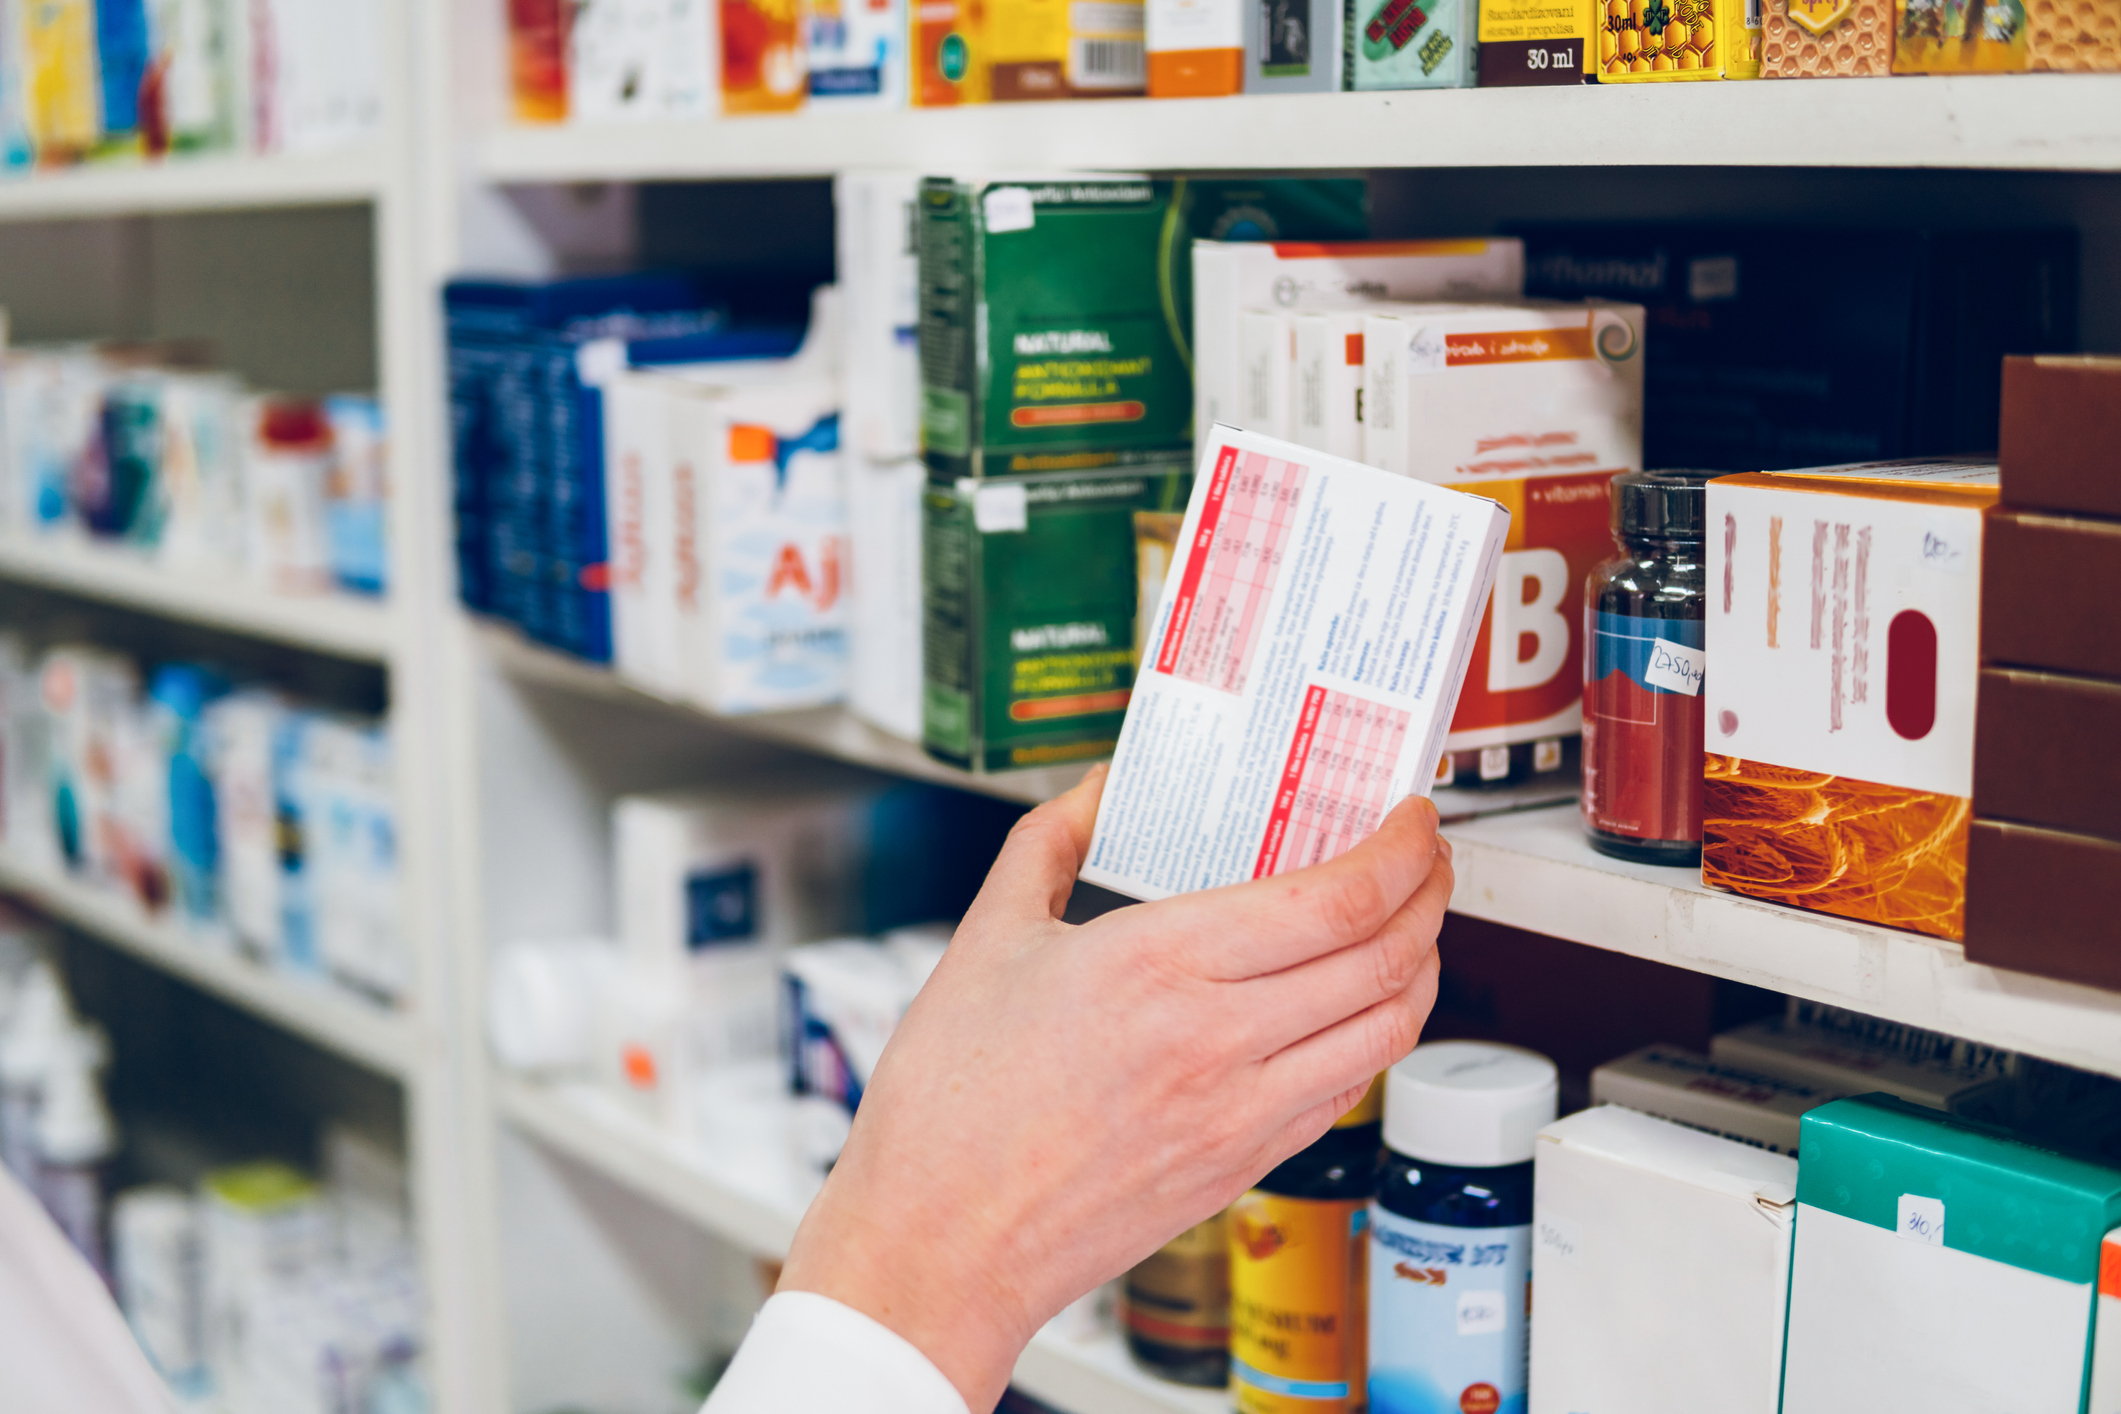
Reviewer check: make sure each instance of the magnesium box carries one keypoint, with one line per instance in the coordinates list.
(1196, 48)
(1662, 41)
(1977, 1086)
(2061, 422)
(1661, 1257)
(1940, 1266)
(1826, 38)
(1527, 43)
(1298, 277)
(1030, 600)
(1686, 1088)
(2048, 586)
(1843, 620)
(1412, 44)
(1773, 348)
(1294, 46)
(1537, 405)
(2044, 751)
(2043, 901)
(1301, 670)
(1041, 49)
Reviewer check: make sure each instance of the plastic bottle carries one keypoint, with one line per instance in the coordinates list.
(1298, 1288)
(1450, 1230)
(1644, 666)
(1175, 1307)
(75, 1136)
(35, 1031)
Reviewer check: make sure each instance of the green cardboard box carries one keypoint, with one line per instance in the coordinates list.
(1029, 597)
(1055, 311)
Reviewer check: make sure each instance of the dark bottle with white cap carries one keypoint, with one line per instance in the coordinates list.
(1451, 1229)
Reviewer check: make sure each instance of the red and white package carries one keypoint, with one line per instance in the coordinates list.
(1301, 670)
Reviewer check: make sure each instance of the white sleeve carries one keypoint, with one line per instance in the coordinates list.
(808, 1354)
(63, 1346)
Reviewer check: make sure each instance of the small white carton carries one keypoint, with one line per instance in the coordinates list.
(1301, 669)
(1231, 277)
(1691, 1089)
(1266, 355)
(1326, 389)
(2106, 1332)
(1661, 1259)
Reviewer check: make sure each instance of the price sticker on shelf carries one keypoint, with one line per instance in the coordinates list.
(1922, 1219)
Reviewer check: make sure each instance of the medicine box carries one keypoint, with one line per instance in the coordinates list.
(1665, 41)
(1826, 38)
(1233, 278)
(1043, 49)
(1977, 1086)
(1661, 1259)
(2060, 423)
(855, 53)
(948, 53)
(1295, 46)
(1196, 48)
(2106, 1340)
(1749, 1106)
(1537, 405)
(1940, 1266)
(1030, 602)
(2041, 752)
(1942, 37)
(2047, 584)
(1412, 44)
(2043, 901)
(1301, 670)
(1843, 619)
(763, 63)
(1524, 43)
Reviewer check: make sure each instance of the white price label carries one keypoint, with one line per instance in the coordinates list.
(1009, 209)
(1001, 509)
(1676, 666)
(1922, 1219)
(1481, 1313)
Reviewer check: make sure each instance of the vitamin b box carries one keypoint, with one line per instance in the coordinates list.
(1662, 1259)
(1042, 49)
(1666, 41)
(1232, 278)
(1301, 669)
(1940, 1266)
(1844, 625)
(1028, 633)
(1537, 405)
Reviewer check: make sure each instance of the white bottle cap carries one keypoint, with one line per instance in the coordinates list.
(1470, 1104)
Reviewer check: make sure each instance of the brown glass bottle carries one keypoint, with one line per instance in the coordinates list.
(1175, 1307)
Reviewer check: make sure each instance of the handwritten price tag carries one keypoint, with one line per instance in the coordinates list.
(1676, 667)
(1922, 1219)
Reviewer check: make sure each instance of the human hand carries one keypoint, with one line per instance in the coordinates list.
(1060, 1100)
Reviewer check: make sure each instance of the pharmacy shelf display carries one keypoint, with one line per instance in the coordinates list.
(2048, 122)
(748, 1201)
(341, 625)
(380, 1039)
(203, 183)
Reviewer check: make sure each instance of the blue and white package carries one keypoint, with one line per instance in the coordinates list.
(356, 495)
(857, 53)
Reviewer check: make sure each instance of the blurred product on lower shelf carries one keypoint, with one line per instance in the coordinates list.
(1275, 722)
(56, 1135)
(1661, 1256)
(1768, 347)
(845, 998)
(541, 1002)
(1975, 1082)
(137, 445)
(245, 820)
(1029, 613)
(1916, 1230)
(1299, 1282)
(1846, 633)
(1451, 1227)
(1175, 1307)
(1673, 1083)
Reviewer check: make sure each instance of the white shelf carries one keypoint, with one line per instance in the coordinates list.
(1533, 870)
(202, 183)
(342, 625)
(758, 1211)
(2061, 122)
(361, 1031)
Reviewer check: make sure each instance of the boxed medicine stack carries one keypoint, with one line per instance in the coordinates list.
(2044, 858)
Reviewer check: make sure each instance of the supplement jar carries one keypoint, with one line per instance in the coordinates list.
(1644, 666)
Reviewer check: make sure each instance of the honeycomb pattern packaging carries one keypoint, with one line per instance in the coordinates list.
(1651, 41)
(1959, 36)
(1829, 38)
(2081, 36)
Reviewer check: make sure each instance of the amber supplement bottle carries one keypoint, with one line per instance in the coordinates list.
(1644, 665)
(1299, 1278)
(1175, 1307)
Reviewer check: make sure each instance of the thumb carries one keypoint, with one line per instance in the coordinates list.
(1035, 872)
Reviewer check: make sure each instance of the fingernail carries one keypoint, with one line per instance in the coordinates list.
(1443, 847)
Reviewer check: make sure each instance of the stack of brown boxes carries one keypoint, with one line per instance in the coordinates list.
(2043, 884)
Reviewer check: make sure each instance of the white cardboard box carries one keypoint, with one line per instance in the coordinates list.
(1301, 670)
(1231, 277)
(1661, 1260)
(2106, 1332)
(1691, 1089)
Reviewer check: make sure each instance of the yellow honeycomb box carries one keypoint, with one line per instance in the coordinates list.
(1672, 41)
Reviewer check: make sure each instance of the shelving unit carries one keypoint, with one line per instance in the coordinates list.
(341, 625)
(508, 755)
